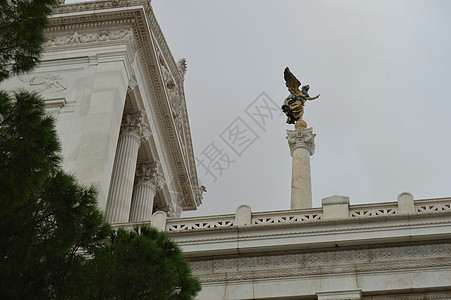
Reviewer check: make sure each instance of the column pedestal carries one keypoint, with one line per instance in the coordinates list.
(133, 130)
(302, 146)
(148, 181)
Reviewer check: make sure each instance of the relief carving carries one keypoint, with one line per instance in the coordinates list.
(175, 210)
(134, 124)
(321, 263)
(181, 66)
(301, 137)
(90, 37)
(48, 83)
(150, 174)
(176, 103)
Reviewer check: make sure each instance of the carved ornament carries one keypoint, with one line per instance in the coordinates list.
(49, 83)
(137, 16)
(150, 174)
(320, 263)
(181, 66)
(301, 137)
(90, 37)
(134, 124)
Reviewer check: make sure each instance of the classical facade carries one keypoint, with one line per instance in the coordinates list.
(117, 94)
(395, 250)
(109, 79)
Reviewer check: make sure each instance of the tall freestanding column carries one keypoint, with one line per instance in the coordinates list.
(149, 180)
(133, 131)
(302, 145)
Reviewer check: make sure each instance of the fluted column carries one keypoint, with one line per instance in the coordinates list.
(148, 181)
(302, 145)
(133, 131)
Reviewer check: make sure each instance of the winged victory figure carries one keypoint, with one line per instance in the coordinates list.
(293, 106)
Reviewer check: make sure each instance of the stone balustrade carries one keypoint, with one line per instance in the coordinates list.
(333, 208)
(200, 223)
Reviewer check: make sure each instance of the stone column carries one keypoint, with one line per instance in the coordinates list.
(133, 131)
(302, 145)
(149, 180)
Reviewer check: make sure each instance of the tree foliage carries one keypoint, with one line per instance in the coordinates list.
(50, 225)
(22, 23)
(140, 264)
(46, 218)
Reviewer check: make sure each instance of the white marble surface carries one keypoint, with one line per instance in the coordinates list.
(301, 181)
(379, 251)
(302, 144)
(97, 55)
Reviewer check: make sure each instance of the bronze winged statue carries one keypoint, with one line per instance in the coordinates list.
(293, 106)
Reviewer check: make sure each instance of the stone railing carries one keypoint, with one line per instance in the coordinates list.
(287, 216)
(432, 205)
(209, 222)
(369, 210)
(334, 207)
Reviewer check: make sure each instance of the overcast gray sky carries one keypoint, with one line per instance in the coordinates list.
(383, 69)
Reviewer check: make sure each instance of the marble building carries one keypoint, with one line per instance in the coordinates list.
(109, 79)
(117, 94)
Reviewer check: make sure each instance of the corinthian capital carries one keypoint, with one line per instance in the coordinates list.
(150, 174)
(134, 124)
(301, 137)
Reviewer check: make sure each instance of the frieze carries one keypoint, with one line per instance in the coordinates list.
(90, 37)
(81, 23)
(305, 264)
(308, 272)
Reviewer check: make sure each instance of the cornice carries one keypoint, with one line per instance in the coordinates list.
(138, 16)
(191, 181)
(97, 5)
(311, 229)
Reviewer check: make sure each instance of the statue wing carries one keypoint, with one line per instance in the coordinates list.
(292, 82)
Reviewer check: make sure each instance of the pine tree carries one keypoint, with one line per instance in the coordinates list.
(140, 264)
(22, 24)
(46, 218)
(50, 225)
